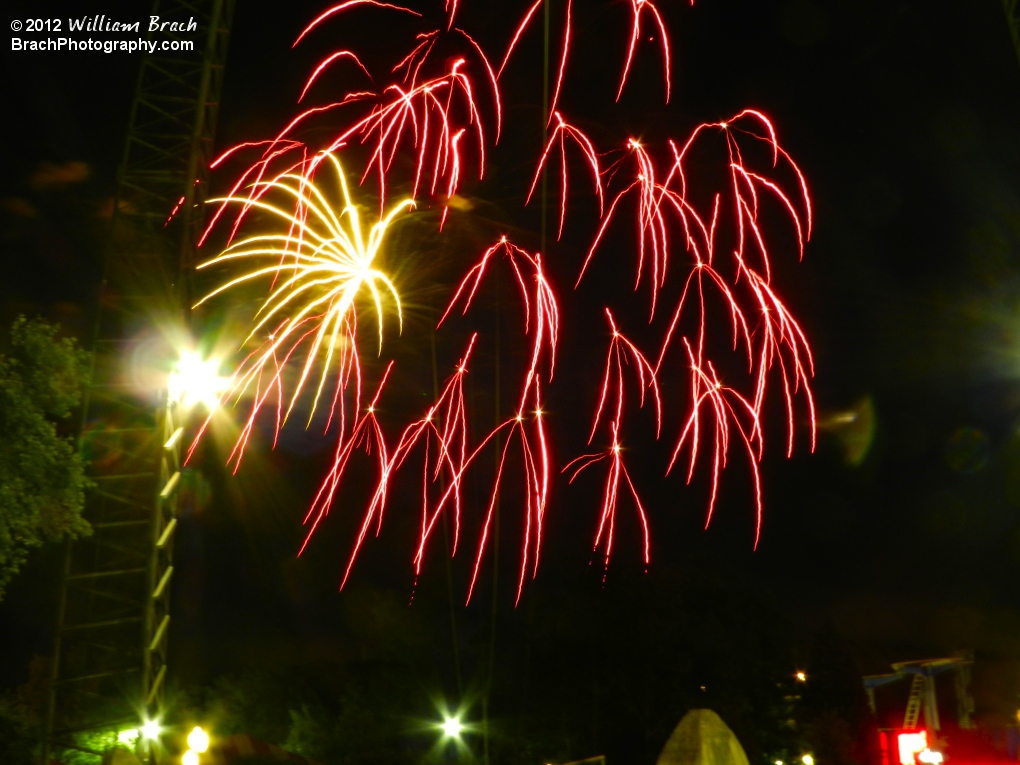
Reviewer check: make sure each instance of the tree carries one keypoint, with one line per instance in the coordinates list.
(42, 479)
(21, 713)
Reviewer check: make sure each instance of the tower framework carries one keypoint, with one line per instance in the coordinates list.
(110, 658)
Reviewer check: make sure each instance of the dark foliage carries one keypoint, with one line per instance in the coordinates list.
(42, 479)
(610, 672)
(838, 725)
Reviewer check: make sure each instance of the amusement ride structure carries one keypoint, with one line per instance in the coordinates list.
(110, 654)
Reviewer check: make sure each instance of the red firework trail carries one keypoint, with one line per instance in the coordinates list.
(340, 7)
(782, 342)
(564, 50)
(430, 118)
(366, 434)
(428, 115)
(426, 122)
(541, 321)
(558, 139)
(653, 239)
(340, 54)
(450, 6)
(638, 8)
(443, 430)
(622, 352)
(729, 411)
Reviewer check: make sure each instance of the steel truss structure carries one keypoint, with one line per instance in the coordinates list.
(921, 703)
(110, 653)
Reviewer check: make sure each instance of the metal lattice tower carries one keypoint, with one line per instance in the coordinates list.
(1012, 8)
(109, 662)
(921, 699)
(918, 687)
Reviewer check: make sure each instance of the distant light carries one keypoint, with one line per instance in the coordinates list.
(129, 736)
(807, 759)
(910, 744)
(452, 727)
(151, 729)
(778, 762)
(190, 757)
(198, 739)
(930, 757)
(801, 677)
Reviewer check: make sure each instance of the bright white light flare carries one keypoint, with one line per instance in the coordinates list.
(198, 739)
(128, 737)
(196, 380)
(452, 727)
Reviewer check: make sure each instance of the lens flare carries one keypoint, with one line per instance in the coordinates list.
(198, 739)
(452, 727)
(196, 380)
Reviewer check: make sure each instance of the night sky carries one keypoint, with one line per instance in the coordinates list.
(901, 531)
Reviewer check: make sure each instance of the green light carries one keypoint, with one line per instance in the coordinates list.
(128, 737)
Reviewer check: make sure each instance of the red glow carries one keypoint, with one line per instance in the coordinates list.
(909, 745)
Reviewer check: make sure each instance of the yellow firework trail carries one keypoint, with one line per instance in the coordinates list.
(323, 262)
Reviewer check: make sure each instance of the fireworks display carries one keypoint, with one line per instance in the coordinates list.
(423, 127)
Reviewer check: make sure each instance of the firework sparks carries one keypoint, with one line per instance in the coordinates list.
(367, 434)
(729, 410)
(340, 54)
(561, 68)
(426, 115)
(318, 266)
(782, 342)
(541, 321)
(426, 122)
(558, 139)
(622, 352)
(443, 431)
(653, 239)
(638, 9)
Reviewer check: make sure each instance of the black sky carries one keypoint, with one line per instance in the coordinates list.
(905, 117)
